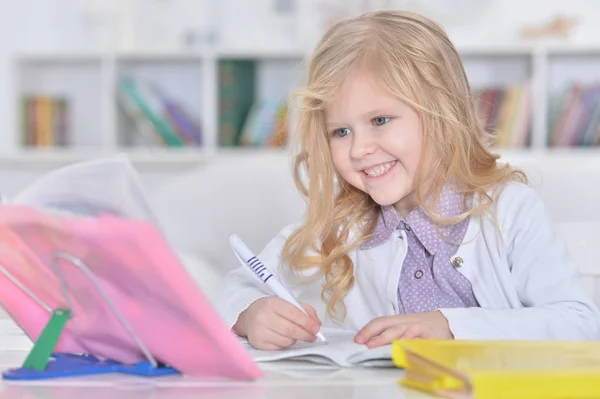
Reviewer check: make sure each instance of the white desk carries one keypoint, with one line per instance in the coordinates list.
(288, 380)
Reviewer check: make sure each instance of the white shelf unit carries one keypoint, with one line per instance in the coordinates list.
(97, 126)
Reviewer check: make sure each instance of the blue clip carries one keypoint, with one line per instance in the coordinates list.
(70, 365)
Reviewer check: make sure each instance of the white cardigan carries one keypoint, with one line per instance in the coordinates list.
(527, 285)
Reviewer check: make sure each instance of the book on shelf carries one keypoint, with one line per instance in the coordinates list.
(244, 120)
(155, 117)
(266, 125)
(237, 87)
(574, 116)
(45, 121)
(506, 113)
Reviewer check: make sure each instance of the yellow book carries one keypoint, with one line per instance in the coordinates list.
(500, 369)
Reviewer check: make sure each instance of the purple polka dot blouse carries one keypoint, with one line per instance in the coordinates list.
(429, 279)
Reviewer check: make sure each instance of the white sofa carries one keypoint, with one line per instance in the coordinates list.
(254, 196)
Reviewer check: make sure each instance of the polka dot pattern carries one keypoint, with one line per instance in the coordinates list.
(428, 280)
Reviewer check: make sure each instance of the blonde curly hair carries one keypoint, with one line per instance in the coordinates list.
(417, 62)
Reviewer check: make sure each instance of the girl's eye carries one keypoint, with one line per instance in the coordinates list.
(343, 132)
(381, 120)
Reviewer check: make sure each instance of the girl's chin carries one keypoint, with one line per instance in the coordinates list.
(402, 198)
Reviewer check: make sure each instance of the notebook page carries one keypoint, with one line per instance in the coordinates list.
(340, 350)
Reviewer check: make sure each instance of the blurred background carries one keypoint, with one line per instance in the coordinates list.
(187, 86)
(177, 83)
(195, 91)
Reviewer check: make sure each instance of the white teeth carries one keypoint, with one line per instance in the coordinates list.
(379, 169)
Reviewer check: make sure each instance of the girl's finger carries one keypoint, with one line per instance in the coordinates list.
(288, 311)
(312, 313)
(282, 341)
(387, 336)
(266, 346)
(289, 329)
(414, 331)
(375, 327)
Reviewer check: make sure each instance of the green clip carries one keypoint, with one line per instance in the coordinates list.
(43, 348)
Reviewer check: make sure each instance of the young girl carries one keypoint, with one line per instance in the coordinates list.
(412, 230)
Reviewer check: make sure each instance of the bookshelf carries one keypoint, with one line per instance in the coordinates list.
(97, 120)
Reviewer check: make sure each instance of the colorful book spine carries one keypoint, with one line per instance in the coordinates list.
(45, 121)
(153, 113)
(574, 117)
(181, 121)
(265, 125)
(236, 87)
(141, 98)
(505, 112)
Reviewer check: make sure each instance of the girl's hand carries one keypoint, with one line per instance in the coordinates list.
(272, 323)
(383, 330)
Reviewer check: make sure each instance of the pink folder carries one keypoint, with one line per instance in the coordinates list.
(137, 270)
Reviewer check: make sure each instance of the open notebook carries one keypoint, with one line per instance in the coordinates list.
(340, 350)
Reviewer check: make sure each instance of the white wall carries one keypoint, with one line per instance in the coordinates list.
(501, 20)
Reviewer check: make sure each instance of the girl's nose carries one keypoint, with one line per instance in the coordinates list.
(362, 145)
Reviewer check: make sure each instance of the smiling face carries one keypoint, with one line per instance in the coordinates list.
(375, 142)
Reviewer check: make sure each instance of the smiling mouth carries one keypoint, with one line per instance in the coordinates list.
(379, 170)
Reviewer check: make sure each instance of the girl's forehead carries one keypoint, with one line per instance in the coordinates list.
(352, 84)
(360, 90)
